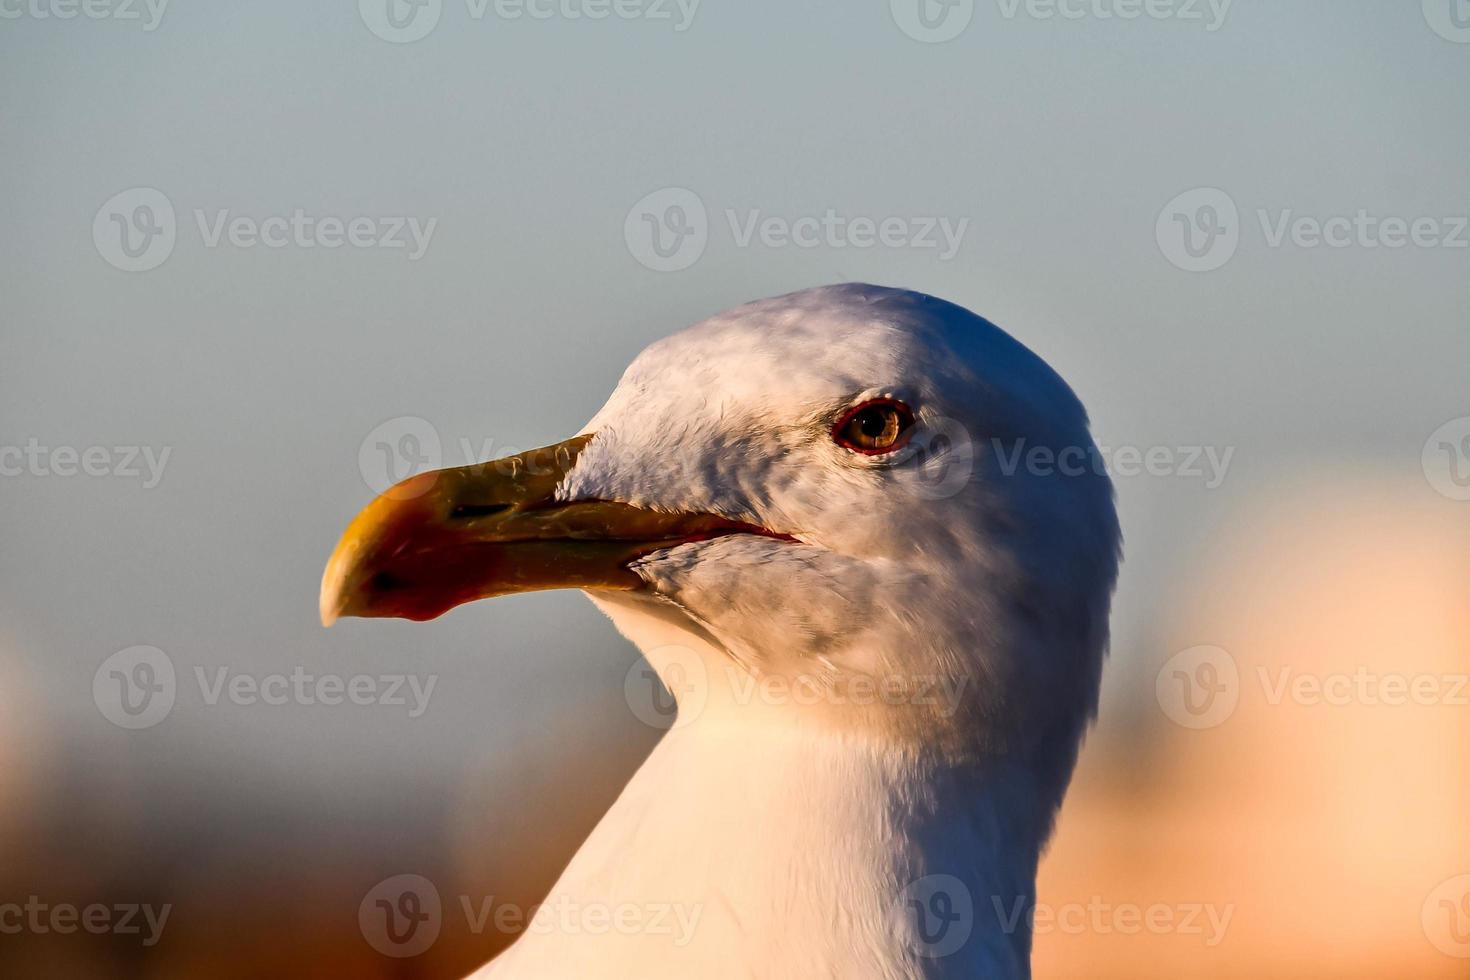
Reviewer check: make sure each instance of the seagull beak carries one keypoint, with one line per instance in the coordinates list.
(447, 537)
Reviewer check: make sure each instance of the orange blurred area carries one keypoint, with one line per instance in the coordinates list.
(1299, 811)
(1321, 815)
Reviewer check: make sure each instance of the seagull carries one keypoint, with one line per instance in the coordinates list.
(859, 534)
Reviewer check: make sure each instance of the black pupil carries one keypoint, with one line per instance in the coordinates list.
(873, 422)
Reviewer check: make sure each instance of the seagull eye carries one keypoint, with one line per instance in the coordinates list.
(875, 427)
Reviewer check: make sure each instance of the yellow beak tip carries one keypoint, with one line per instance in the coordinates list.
(333, 601)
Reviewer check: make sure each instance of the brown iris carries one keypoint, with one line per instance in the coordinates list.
(874, 427)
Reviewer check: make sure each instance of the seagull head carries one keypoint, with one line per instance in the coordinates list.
(850, 507)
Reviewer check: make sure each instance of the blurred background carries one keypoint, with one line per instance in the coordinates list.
(258, 259)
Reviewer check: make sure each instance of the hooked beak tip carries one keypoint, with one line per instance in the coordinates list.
(333, 600)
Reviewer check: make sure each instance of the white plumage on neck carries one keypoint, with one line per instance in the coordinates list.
(758, 842)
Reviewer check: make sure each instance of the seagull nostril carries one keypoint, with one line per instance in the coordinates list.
(464, 512)
(384, 582)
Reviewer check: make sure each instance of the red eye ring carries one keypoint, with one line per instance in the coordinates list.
(874, 428)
